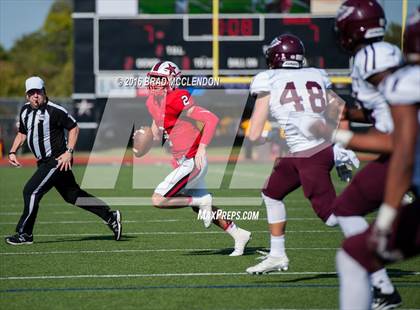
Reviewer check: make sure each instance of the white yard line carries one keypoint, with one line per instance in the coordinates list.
(146, 201)
(171, 275)
(151, 275)
(181, 233)
(99, 222)
(257, 207)
(140, 251)
(153, 221)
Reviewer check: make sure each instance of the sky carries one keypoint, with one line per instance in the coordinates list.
(20, 17)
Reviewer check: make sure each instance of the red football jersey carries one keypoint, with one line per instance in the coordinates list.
(170, 116)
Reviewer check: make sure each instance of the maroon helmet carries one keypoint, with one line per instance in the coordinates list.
(359, 21)
(412, 37)
(285, 51)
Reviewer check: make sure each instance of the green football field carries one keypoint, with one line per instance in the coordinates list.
(166, 258)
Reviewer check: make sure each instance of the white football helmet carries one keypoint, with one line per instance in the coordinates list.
(163, 74)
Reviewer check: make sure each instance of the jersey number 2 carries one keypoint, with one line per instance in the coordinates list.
(316, 98)
(184, 100)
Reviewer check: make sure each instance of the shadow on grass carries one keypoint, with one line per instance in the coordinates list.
(88, 238)
(399, 273)
(393, 273)
(225, 251)
(300, 279)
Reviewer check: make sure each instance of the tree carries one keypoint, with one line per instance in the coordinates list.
(47, 52)
(3, 53)
(393, 34)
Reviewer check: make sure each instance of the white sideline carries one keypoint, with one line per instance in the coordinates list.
(168, 275)
(154, 275)
(145, 201)
(139, 251)
(181, 233)
(154, 221)
(149, 208)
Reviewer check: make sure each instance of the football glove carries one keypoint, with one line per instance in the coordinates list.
(344, 172)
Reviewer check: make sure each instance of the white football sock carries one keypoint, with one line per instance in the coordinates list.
(196, 201)
(232, 229)
(331, 221)
(277, 246)
(352, 225)
(355, 290)
(381, 280)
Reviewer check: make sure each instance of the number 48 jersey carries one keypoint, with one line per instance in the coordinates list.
(298, 98)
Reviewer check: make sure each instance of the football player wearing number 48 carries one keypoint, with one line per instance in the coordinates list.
(296, 97)
(175, 114)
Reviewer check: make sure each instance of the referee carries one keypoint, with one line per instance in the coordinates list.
(43, 124)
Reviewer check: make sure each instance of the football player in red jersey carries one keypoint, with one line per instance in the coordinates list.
(395, 235)
(175, 114)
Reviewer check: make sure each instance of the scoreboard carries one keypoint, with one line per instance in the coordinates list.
(128, 46)
(136, 43)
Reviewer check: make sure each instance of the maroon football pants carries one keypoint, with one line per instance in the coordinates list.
(405, 238)
(312, 173)
(365, 192)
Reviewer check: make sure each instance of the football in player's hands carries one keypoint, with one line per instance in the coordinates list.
(142, 141)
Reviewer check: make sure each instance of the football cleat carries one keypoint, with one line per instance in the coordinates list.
(242, 238)
(385, 301)
(269, 264)
(205, 204)
(20, 239)
(114, 223)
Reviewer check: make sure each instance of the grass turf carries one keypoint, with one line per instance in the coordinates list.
(166, 259)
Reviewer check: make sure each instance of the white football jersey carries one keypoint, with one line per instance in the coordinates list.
(371, 59)
(298, 98)
(403, 88)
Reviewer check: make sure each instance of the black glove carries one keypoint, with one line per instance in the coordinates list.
(345, 172)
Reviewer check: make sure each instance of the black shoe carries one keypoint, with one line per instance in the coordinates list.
(20, 239)
(114, 223)
(385, 301)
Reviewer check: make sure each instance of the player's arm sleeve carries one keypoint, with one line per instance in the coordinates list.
(66, 120)
(260, 84)
(209, 120)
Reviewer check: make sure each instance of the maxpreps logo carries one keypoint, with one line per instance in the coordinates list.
(229, 215)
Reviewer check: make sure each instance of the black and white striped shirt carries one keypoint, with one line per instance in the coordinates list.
(45, 129)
